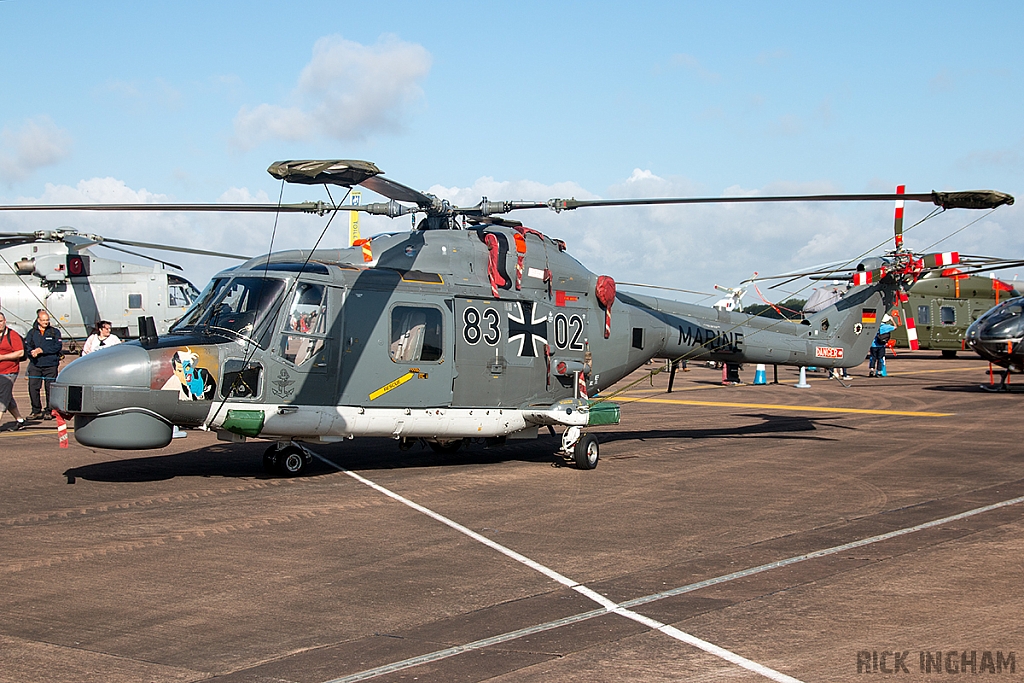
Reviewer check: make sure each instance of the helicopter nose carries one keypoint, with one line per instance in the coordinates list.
(109, 394)
(124, 365)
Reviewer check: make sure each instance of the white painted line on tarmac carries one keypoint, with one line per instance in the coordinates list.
(608, 605)
(584, 616)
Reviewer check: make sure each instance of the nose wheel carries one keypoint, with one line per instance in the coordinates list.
(581, 448)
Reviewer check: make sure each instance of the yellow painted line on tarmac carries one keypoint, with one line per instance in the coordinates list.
(29, 431)
(774, 406)
(925, 372)
(656, 390)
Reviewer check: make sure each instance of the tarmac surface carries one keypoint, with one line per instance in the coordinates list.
(740, 533)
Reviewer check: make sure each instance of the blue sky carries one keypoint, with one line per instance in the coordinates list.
(190, 102)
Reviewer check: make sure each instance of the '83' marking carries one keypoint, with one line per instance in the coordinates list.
(476, 327)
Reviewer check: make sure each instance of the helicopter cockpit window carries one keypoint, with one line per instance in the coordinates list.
(200, 304)
(237, 305)
(416, 334)
(177, 296)
(306, 324)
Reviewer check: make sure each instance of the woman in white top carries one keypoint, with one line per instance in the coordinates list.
(100, 338)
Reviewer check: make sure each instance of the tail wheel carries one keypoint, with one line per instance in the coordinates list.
(292, 461)
(586, 452)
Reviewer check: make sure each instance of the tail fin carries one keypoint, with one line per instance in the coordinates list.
(851, 322)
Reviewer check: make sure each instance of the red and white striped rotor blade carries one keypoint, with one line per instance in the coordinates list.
(947, 258)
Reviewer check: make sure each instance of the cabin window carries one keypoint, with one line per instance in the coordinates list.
(176, 297)
(416, 334)
(306, 324)
(134, 301)
(947, 315)
(924, 315)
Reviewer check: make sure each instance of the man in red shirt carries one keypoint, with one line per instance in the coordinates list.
(12, 350)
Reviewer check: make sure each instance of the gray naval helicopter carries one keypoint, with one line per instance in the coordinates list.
(470, 326)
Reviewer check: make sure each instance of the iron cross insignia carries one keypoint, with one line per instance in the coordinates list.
(527, 328)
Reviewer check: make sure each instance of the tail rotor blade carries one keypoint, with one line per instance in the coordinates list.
(898, 225)
(908, 320)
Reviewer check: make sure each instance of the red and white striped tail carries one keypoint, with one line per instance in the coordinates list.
(948, 258)
(863, 278)
(911, 333)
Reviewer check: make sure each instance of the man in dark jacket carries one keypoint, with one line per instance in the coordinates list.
(42, 347)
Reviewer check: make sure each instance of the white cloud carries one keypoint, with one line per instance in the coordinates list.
(347, 91)
(38, 143)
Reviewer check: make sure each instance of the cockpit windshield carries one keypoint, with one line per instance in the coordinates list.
(1004, 322)
(235, 305)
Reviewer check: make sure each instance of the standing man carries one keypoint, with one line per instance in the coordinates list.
(878, 347)
(12, 350)
(42, 346)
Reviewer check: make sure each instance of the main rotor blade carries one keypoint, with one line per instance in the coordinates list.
(164, 247)
(397, 191)
(988, 269)
(135, 253)
(974, 199)
(319, 208)
(823, 269)
(671, 289)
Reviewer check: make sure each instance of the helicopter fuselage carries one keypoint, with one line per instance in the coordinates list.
(435, 334)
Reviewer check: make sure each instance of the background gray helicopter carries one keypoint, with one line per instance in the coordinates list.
(470, 326)
(57, 270)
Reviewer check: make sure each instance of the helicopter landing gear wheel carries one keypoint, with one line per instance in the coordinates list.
(948, 353)
(289, 461)
(586, 452)
(445, 447)
(581, 448)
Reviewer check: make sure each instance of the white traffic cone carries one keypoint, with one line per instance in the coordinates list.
(759, 375)
(802, 384)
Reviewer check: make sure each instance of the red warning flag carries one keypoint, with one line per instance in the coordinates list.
(605, 291)
(62, 429)
(520, 255)
(493, 273)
